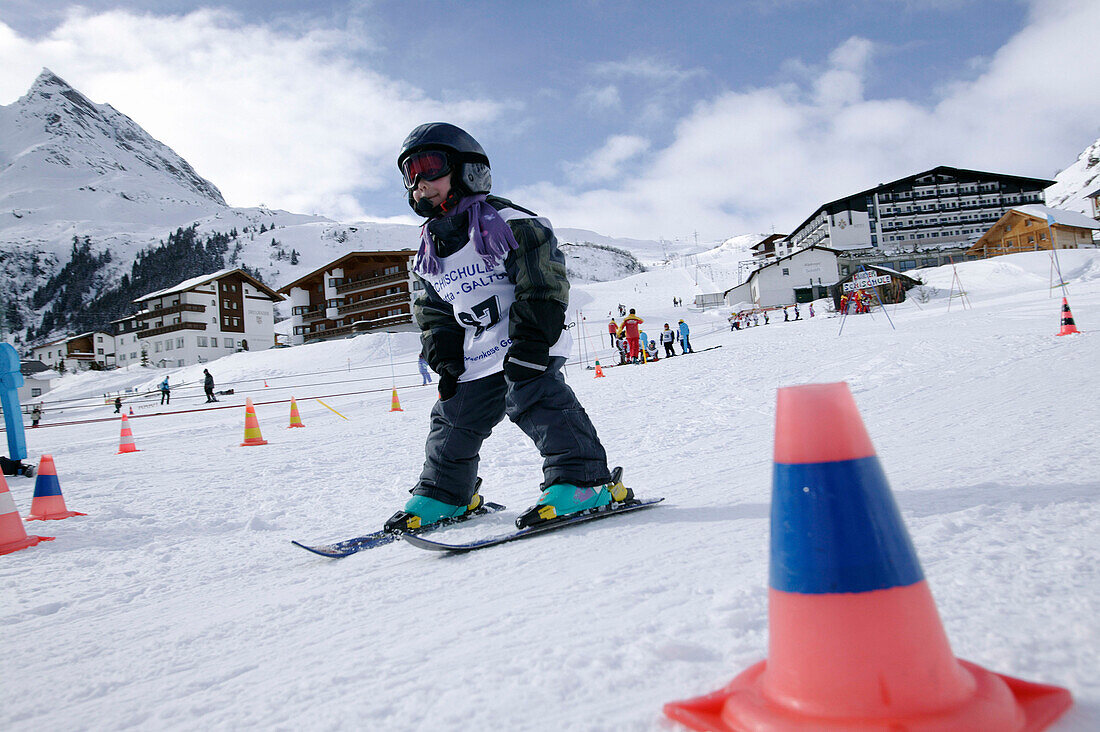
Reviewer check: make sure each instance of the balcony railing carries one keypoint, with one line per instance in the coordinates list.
(183, 307)
(361, 326)
(373, 303)
(364, 283)
(170, 328)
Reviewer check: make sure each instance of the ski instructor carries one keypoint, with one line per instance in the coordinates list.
(492, 321)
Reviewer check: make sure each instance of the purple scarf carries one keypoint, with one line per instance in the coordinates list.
(491, 235)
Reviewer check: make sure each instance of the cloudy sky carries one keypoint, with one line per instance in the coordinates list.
(642, 119)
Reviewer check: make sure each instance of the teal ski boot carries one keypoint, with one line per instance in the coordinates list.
(421, 511)
(564, 499)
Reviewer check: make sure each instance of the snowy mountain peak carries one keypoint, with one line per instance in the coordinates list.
(55, 137)
(1076, 182)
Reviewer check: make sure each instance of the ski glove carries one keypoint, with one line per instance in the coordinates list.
(448, 380)
(448, 386)
(526, 361)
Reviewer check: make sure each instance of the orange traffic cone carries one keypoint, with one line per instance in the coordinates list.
(855, 641)
(126, 440)
(13, 536)
(252, 436)
(1068, 327)
(599, 371)
(395, 405)
(295, 418)
(48, 504)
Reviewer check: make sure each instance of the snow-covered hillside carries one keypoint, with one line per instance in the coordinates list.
(178, 602)
(1076, 182)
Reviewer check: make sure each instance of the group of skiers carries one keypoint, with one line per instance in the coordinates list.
(634, 346)
(856, 303)
(749, 318)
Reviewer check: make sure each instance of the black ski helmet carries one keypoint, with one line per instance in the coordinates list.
(469, 163)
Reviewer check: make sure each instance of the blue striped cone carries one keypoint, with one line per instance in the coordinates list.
(855, 641)
(48, 504)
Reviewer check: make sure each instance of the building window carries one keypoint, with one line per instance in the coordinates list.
(179, 362)
(156, 347)
(133, 354)
(168, 345)
(179, 343)
(228, 342)
(786, 271)
(202, 342)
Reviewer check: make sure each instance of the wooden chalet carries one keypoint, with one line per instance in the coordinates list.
(1034, 228)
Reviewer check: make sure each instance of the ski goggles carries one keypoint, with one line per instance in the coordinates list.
(427, 165)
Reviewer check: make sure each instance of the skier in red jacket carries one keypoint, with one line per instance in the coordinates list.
(630, 328)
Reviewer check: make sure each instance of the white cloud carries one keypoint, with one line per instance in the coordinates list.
(607, 162)
(750, 159)
(601, 99)
(270, 115)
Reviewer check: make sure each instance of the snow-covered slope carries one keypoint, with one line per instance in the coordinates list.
(179, 603)
(1076, 182)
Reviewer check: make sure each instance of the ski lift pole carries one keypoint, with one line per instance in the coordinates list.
(583, 344)
(393, 374)
(1057, 266)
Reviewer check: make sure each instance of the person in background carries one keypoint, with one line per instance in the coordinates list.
(630, 328)
(624, 351)
(612, 330)
(165, 392)
(118, 404)
(667, 339)
(208, 386)
(685, 343)
(36, 414)
(424, 372)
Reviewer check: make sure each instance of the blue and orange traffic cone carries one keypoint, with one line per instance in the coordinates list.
(48, 504)
(855, 641)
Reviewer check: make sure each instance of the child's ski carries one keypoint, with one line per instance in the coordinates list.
(552, 525)
(382, 537)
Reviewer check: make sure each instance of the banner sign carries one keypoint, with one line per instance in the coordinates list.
(863, 282)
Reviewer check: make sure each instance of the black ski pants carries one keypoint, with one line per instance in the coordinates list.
(545, 408)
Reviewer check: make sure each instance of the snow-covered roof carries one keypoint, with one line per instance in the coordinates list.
(1058, 215)
(1094, 194)
(203, 279)
(185, 285)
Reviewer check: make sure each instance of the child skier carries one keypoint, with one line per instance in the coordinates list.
(492, 321)
(667, 338)
(651, 351)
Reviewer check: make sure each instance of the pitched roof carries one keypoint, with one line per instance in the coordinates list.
(203, 279)
(337, 262)
(1059, 216)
